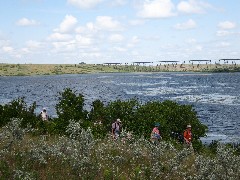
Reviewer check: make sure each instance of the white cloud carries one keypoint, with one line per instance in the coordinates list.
(199, 48)
(90, 55)
(83, 41)
(118, 2)
(116, 38)
(191, 41)
(67, 25)
(156, 9)
(64, 46)
(4, 42)
(7, 49)
(27, 22)
(25, 50)
(102, 23)
(192, 6)
(135, 53)
(87, 29)
(223, 33)
(227, 25)
(107, 23)
(133, 41)
(33, 44)
(190, 24)
(136, 22)
(18, 56)
(120, 49)
(90, 26)
(80, 29)
(85, 4)
(223, 44)
(59, 37)
(96, 32)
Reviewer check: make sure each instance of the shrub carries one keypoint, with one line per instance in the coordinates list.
(18, 109)
(140, 118)
(70, 107)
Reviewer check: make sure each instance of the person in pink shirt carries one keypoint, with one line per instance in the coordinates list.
(116, 128)
(155, 134)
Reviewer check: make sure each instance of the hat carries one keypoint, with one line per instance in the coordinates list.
(118, 120)
(157, 124)
(189, 126)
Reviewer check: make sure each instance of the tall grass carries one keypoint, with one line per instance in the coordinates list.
(80, 156)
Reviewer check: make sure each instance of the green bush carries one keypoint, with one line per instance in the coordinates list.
(140, 118)
(70, 107)
(172, 116)
(18, 109)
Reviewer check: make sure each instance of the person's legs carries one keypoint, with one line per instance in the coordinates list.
(116, 135)
(155, 141)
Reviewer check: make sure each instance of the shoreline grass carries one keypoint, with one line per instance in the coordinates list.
(58, 69)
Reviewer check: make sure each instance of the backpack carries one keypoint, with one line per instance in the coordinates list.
(115, 126)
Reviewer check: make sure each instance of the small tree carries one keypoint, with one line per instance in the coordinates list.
(70, 107)
(18, 109)
(98, 112)
(125, 110)
(98, 118)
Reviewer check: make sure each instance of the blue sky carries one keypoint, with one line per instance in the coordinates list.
(100, 31)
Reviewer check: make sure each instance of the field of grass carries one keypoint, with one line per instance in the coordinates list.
(51, 69)
(55, 69)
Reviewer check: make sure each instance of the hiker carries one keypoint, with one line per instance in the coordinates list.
(187, 134)
(155, 134)
(177, 136)
(116, 128)
(44, 114)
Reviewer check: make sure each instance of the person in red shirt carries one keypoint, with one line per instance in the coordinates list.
(187, 134)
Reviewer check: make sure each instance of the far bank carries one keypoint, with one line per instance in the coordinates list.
(55, 69)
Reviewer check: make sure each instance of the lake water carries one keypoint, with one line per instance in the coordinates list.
(215, 97)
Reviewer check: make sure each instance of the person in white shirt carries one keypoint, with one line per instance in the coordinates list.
(44, 114)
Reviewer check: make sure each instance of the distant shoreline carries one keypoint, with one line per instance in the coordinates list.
(57, 69)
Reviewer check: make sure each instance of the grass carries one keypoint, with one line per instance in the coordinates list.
(53, 69)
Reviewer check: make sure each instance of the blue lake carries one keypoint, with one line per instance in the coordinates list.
(214, 96)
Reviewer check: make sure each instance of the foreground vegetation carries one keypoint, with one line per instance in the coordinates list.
(77, 144)
(57, 69)
(80, 156)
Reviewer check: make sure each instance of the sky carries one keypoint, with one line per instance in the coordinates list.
(118, 31)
